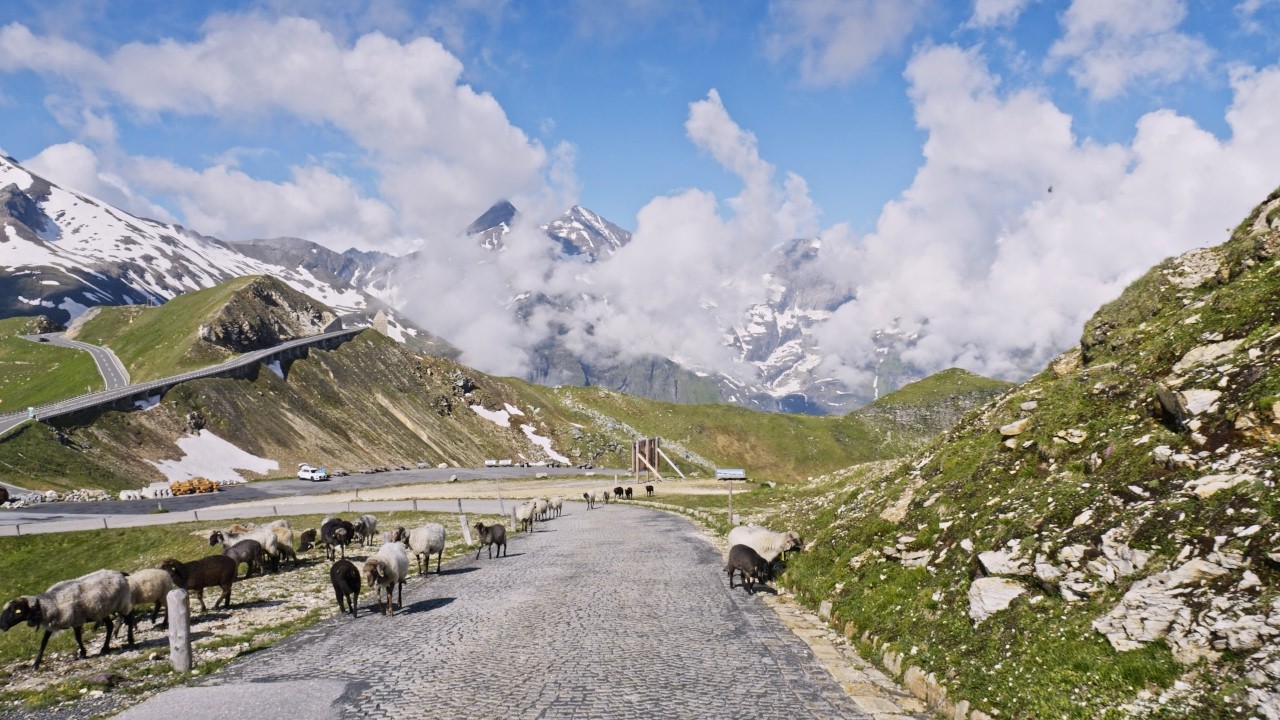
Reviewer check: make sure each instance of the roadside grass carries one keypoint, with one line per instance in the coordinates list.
(36, 456)
(30, 564)
(155, 342)
(33, 373)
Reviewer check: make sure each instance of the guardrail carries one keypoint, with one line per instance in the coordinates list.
(85, 401)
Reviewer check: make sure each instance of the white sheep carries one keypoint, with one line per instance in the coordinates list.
(266, 536)
(767, 543)
(95, 597)
(367, 527)
(423, 542)
(540, 507)
(525, 516)
(387, 569)
(149, 586)
(557, 504)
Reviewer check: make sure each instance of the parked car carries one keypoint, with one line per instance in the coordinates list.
(309, 472)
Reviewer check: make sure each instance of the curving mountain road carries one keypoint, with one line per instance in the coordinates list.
(109, 366)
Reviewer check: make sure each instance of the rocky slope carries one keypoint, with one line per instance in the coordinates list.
(1102, 541)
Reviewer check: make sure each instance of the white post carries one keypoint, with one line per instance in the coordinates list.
(466, 529)
(179, 629)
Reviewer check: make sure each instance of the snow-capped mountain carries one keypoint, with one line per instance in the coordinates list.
(582, 233)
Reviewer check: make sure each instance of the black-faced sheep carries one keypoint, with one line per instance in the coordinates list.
(307, 540)
(767, 543)
(742, 559)
(648, 490)
(95, 597)
(336, 533)
(209, 571)
(489, 536)
(346, 585)
(425, 541)
(591, 500)
(387, 569)
(628, 492)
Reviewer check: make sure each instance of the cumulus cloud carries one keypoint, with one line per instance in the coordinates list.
(996, 13)
(836, 40)
(441, 150)
(77, 167)
(992, 271)
(1109, 45)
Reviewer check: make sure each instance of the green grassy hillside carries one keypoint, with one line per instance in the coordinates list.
(1126, 496)
(36, 373)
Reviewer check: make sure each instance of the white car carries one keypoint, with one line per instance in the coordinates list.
(309, 472)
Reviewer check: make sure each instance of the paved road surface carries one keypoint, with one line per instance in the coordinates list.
(109, 366)
(618, 612)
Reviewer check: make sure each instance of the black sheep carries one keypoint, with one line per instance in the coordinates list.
(336, 533)
(617, 493)
(491, 535)
(209, 571)
(628, 492)
(748, 562)
(346, 585)
(648, 490)
(249, 552)
(307, 540)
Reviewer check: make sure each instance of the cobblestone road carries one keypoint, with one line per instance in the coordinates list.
(617, 612)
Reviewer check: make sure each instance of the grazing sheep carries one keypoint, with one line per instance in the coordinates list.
(767, 543)
(617, 493)
(284, 542)
(209, 571)
(387, 569)
(648, 490)
(241, 528)
(148, 586)
(525, 516)
(306, 541)
(264, 535)
(591, 500)
(490, 535)
(346, 585)
(754, 569)
(336, 533)
(366, 527)
(95, 597)
(628, 491)
(248, 552)
(557, 505)
(425, 540)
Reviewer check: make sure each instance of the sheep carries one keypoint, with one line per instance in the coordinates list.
(387, 569)
(767, 543)
(366, 527)
(557, 505)
(425, 540)
(208, 571)
(490, 535)
(648, 490)
(95, 597)
(742, 559)
(336, 532)
(248, 552)
(540, 508)
(306, 541)
(525, 516)
(148, 586)
(628, 491)
(591, 500)
(617, 493)
(603, 496)
(346, 585)
(264, 535)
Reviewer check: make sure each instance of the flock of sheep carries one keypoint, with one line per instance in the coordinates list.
(110, 598)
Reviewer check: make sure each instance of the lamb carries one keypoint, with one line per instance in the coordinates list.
(628, 491)
(387, 569)
(425, 540)
(648, 490)
(490, 535)
(264, 535)
(557, 505)
(336, 532)
(742, 559)
(307, 541)
(148, 586)
(525, 516)
(591, 500)
(346, 585)
(366, 527)
(767, 543)
(208, 571)
(95, 597)
(248, 552)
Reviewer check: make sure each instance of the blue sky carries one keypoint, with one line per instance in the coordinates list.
(916, 137)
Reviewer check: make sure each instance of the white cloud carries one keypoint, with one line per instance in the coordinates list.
(1247, 12)
(76, 167)
(838, 39)
(996, 13)
(442, 151)
(996, 273)
(1110, 45)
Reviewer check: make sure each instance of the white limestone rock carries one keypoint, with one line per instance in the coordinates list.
(990, 595)
(1017, 427)
(1205, 354)
(1210, 484)
(1151, 606)
(1004, 562)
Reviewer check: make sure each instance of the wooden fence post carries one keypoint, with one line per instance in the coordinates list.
(179, 629)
